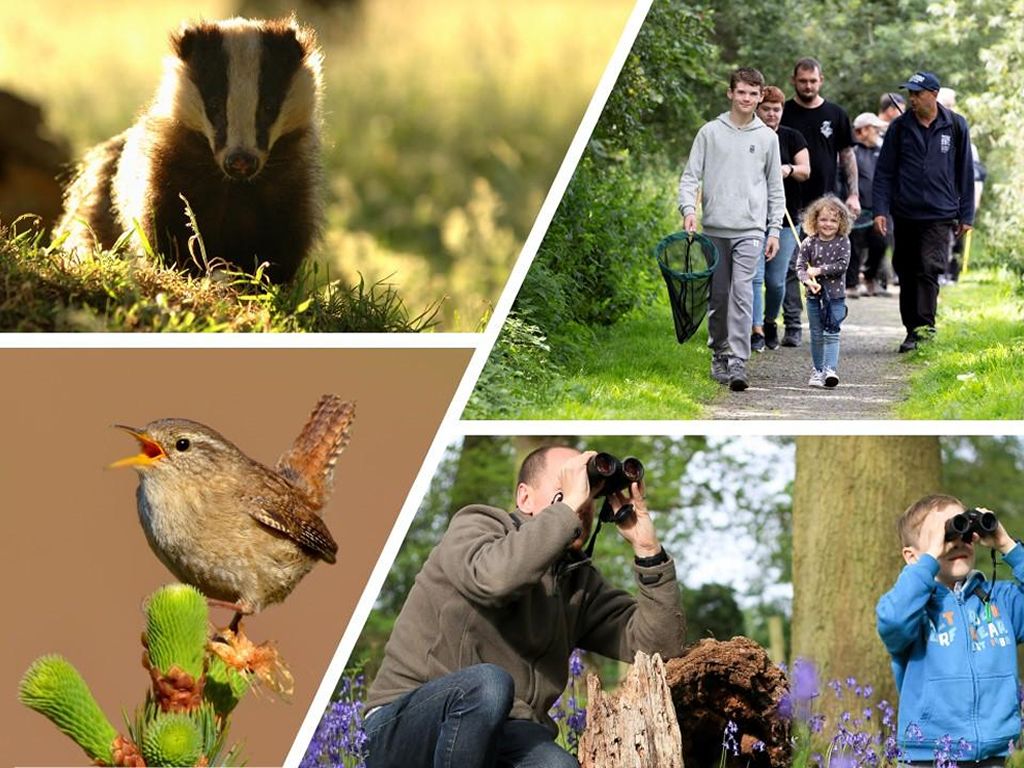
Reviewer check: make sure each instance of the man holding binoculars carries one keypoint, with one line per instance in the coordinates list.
(480, 650)
(953, 635)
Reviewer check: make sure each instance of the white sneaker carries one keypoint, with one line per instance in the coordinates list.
(817, 378)
(830, 378)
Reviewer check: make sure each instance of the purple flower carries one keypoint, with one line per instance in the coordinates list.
(340, 738)
(576, 663)
(805, 680)
(893, 753)
(729, 741)
(759, 746)
(914, 732)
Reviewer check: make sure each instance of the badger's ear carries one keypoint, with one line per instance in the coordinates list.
(188, 39)
(183, 41)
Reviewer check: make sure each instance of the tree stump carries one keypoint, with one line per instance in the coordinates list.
(734, 680)
(635, 727)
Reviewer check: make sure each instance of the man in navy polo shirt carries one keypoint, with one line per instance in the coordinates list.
(925, 179)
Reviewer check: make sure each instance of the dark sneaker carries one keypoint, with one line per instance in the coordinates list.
(757, 342)
(791, 338)
(771, 336)
(910, 343)
(831, 378)
(720, 369)
(737, 375)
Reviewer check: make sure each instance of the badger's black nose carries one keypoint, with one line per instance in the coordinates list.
(241, 164)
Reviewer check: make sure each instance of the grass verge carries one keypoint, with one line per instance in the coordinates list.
(632, 370)
(974, 367)
(41, 290)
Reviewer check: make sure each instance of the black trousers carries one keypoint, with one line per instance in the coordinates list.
(869, 247)
(919, 256)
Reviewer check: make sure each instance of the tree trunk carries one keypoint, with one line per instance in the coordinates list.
(848, 494)
(636, 726)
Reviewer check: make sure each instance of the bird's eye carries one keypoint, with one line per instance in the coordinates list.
(182, 444)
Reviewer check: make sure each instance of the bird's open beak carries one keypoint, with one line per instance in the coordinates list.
(150, 454)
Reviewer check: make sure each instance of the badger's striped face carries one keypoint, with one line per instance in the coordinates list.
(243, 84)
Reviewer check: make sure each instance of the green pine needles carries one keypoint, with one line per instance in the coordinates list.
(185, 716)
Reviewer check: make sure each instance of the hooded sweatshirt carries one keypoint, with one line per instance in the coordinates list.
(954, 657)
(742, 177)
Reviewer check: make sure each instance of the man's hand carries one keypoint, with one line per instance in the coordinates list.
(638, 529)
(771, 248)
(1000, 540)
(881, 225)
(853, 203)
(690, 223)
(573, 480)
(963, 228)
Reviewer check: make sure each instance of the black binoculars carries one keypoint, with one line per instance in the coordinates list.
(969, 522)
(614, 476)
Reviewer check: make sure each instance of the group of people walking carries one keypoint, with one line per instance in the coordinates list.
(782, 185)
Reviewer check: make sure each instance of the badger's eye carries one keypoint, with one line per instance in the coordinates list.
(183, 444)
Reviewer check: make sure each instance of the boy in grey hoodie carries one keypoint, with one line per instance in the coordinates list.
(736, 158)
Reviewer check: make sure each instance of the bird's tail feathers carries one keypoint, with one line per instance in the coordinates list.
(309, 463)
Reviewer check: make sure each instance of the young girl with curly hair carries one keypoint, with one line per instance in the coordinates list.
(821, 266)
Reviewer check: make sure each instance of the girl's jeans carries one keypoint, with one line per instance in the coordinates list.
(824, 345)
(772, 276)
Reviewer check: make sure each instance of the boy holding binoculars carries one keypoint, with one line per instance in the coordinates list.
(953, 635)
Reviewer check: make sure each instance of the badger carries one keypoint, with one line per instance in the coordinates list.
(234, 131)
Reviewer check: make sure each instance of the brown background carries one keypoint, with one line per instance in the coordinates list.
(76, 566)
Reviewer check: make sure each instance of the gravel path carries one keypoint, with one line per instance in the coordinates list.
(871, 373)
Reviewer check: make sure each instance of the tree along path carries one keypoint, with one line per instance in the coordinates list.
(872, 376)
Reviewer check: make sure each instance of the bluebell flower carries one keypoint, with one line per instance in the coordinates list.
(576, 663)
(729, 741)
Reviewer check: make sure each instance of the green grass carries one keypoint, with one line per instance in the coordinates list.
(42, 290)
(632, 370)
(974, 367)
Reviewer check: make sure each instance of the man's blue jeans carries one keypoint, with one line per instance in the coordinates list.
(460, 721)
(772, 276)
(825, 345)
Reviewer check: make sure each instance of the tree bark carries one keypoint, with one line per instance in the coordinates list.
(636, 726)
(848, 494)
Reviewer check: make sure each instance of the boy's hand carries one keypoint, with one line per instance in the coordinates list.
(690, 223)
(1000, 540)
(933, 536)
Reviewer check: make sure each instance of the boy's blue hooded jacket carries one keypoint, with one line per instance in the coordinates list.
(954, 657)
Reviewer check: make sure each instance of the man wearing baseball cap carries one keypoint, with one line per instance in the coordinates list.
(867, 247)
(925, 180)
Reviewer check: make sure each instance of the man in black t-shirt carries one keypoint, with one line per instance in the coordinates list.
(826, 127)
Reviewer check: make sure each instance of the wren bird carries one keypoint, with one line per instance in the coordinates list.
(242, 533)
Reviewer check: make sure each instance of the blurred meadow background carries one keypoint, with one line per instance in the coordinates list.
(444, 123)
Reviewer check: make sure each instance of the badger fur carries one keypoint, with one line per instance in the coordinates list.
(234, 129)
